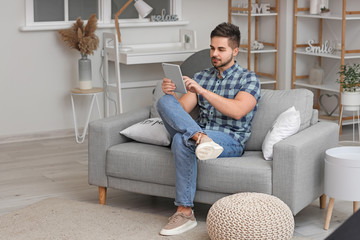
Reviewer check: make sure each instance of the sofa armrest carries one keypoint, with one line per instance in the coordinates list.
(298, 164)
(103, 134)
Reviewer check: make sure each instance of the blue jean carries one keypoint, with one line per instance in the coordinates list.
(182, 127)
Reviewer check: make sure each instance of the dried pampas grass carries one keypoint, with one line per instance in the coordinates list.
(80, 37)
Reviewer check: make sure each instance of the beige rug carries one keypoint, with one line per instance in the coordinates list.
(66, 219)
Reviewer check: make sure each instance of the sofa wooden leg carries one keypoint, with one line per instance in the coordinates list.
(102, 195)
(323, 201)
(355, 206)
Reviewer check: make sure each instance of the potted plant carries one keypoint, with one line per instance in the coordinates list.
(83, 39)
(324, 11)
(187, 40)
(350, 82)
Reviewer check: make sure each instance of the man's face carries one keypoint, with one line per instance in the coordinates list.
(222, 55)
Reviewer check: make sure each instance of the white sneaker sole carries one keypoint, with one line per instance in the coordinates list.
(181, 229)
(208, 150)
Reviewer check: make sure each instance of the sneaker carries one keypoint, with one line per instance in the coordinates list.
(207, 148)
(179, 223)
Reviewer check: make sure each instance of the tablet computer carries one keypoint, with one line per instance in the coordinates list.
(173, 72)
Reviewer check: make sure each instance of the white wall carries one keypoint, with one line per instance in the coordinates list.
(37, 71)
(36, 76)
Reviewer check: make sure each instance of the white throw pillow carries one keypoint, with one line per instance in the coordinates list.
(151, 131)
(285, 125)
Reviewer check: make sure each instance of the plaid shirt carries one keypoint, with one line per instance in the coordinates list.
(234, 80)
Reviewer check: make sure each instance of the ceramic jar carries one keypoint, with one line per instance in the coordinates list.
(316, 75)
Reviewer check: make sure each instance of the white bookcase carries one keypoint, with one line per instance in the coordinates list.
(338, 27)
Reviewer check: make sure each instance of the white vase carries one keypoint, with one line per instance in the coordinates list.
(314, 6)
(350, 100)
(316, 75)
(85, 81)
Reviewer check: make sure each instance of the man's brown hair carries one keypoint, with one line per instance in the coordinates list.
(229, 31)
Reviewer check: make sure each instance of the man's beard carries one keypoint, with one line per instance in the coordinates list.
(222, 65)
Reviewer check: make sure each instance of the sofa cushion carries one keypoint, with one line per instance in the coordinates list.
(154, 164)
(271, 105)
(223, 175)
(141, 162)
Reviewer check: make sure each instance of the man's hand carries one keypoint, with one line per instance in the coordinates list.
(192, 86)
(168, 86)
(236, 108)
(188, 101)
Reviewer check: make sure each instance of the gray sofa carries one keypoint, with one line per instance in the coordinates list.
(295, 174)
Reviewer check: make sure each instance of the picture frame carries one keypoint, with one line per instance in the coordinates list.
(188, 38)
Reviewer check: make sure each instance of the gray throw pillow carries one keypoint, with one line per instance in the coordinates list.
(151, 131)
(158, 93)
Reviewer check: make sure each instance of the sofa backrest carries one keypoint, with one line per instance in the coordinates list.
(271, 105)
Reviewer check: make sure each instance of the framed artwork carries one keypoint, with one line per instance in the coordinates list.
(188, 38)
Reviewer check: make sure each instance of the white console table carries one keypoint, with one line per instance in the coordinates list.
(139, 54)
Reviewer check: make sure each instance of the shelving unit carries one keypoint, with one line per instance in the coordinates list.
(253, 33)
(139, 54)
(339, 14)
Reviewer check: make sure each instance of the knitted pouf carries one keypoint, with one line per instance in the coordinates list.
(250, 216)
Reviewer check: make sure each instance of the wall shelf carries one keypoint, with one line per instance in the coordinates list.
(331, 87)
(331, 16)
(255, 14)
(146, 23)
(267, 80)
(254, 21)
(266, 49)
(336, 55)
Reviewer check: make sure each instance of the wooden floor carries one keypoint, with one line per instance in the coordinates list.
(35, 170)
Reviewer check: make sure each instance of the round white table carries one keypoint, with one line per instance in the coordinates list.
(342, 177)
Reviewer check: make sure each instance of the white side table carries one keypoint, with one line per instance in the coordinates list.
(93, 94)
(342, 177)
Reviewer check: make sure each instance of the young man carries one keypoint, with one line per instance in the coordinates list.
(227, 96)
